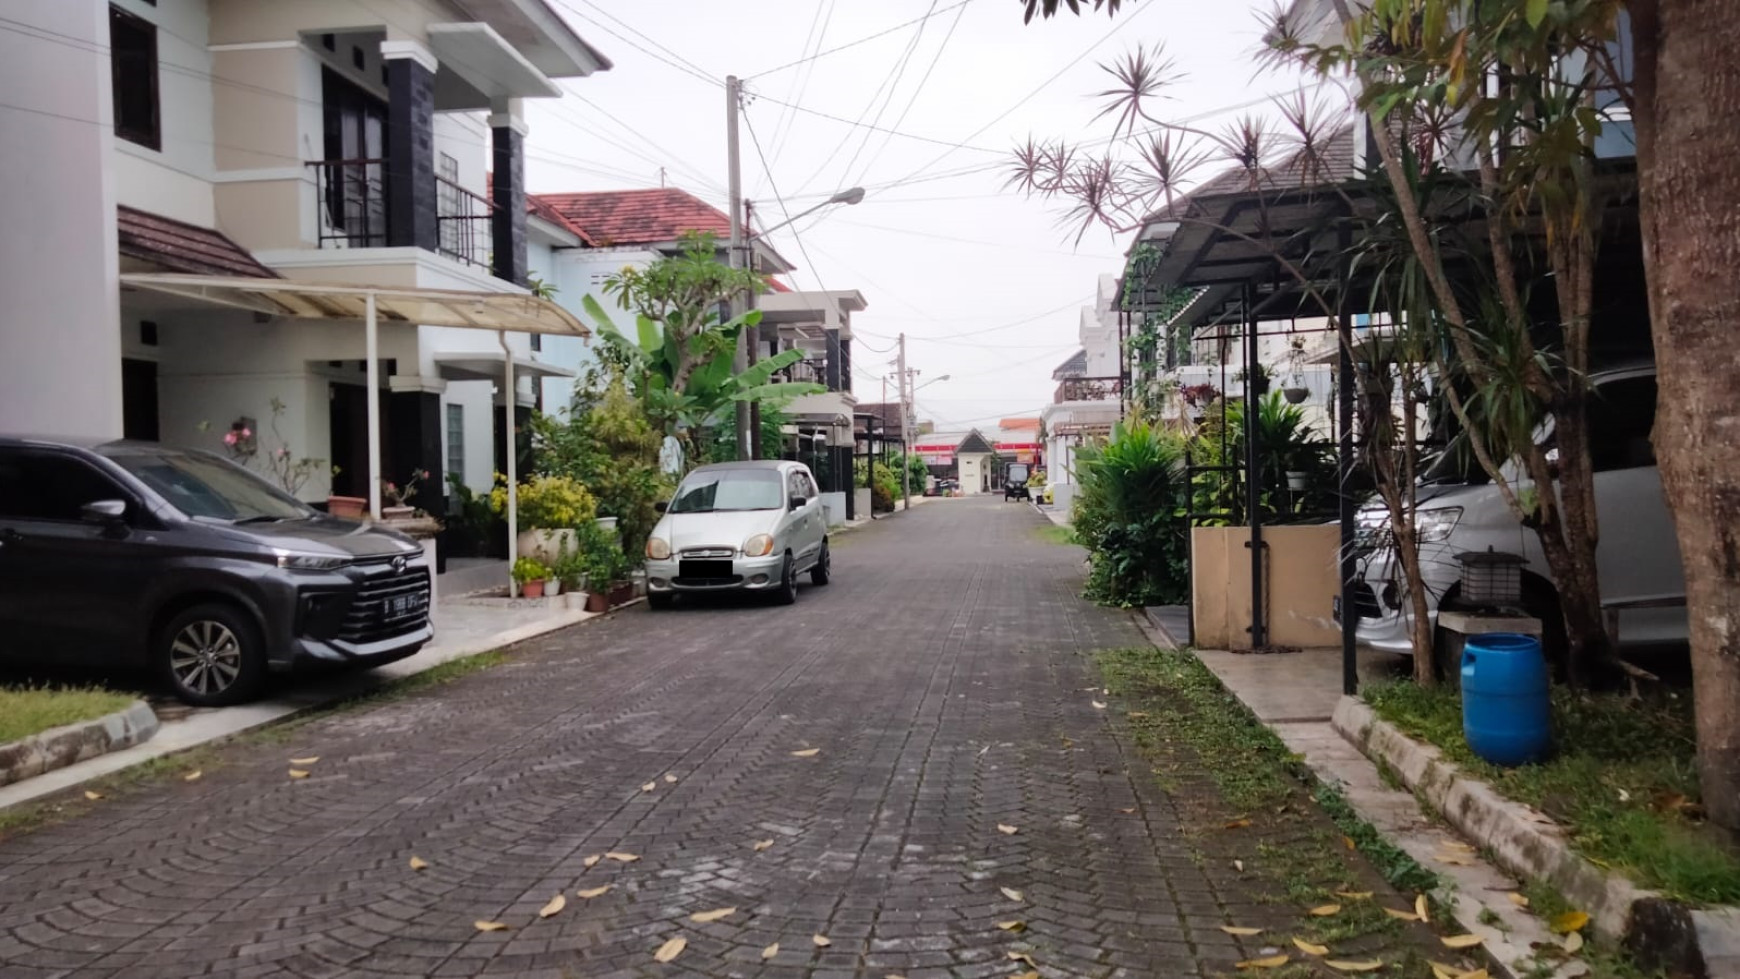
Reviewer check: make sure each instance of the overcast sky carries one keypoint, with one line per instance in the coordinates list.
(985, 283)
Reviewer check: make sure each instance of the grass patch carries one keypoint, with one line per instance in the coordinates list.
(1622, 780)
(1179, 701)
(1055, 534)
(31, 710)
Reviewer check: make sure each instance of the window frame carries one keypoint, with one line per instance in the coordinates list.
(121, 491)
(148, 134)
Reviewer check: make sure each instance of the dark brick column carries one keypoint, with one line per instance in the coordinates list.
(833, 361)
(508, 192)
(411, 154)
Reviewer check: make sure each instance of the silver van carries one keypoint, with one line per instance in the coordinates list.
(1643, 587)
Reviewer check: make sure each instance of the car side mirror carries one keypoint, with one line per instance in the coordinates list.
(661, 506)
(104, 512)
(797, 502)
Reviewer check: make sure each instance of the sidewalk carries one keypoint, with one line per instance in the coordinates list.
(460, 630)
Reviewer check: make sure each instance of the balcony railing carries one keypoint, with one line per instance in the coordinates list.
(802, 372)
(463, 220)
(351, 208)
(1089, 389)
(352, 211)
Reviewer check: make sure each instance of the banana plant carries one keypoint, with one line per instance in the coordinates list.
(686, 385)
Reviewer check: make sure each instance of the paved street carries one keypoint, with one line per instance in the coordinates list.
(939, 680)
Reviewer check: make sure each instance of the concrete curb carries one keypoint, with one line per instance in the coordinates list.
(69, 744)
(1658, 931)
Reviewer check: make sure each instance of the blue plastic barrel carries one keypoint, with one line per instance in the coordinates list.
(1506, 702)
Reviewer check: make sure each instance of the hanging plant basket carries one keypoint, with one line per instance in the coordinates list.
(1296, 481)
(1296, 395)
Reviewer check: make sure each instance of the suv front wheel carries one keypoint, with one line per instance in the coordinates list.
(212, 655)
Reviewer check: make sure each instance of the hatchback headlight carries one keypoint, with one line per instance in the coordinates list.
(657, 548)
(1434, 526)
(761, 545)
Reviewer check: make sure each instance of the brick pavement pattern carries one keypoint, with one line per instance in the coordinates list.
(944, 678)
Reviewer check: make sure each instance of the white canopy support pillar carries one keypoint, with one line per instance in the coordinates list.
(372, 369)
(510, 402)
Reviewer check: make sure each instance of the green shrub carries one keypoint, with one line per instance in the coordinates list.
(547, 502)
(1129, 514)
(608, 445)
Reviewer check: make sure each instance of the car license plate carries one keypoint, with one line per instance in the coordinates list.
(402, 604)
(704, 569)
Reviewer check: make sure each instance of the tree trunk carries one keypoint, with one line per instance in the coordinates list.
(1688, 154)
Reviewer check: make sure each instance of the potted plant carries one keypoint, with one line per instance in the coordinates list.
(396, 497)
(551, 509)
(1296, 392)
(530, 575)
(606, 574)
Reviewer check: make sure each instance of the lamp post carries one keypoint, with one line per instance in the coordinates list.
(749, 412)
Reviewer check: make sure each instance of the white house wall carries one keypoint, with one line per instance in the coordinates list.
(577, 273)
(60, 344)
(176, 180)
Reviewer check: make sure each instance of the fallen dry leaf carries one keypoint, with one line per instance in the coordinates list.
(1272, 962)
(1310, 949)
(1325, 910)
(714, 915)
(1461, 941)
(1240, 930)
(192, 776)
(1128, 811)
(1422, 910)
(648, 787)
(1034, 974)
(763, 845)
(298, 773)
(1354, 965)
(821, 941)
(1012, 925)
(1239, 865)
(620, 857)
(1518, 899)
(1138, 714)
(807, 753)
(93, 796)
(1011, 893)
(592, 892)
(1481, 974)
(1347, 841)
(555, 906)
(1456, 845)
(1442, 971)
(1353, 895)
(305, 761)
(1099, 705)
(671, 949)
(1238, 824)
(1023, 957)
(672, 779)
(1006, 829)
(489, 926)
(592, 861)
(770, 951)
(1401, 915)
(1570, 921)
(1574, 942)
(418, 863)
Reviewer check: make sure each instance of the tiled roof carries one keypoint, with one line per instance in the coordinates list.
(637, 217)
(1019, 424)
(176, 246)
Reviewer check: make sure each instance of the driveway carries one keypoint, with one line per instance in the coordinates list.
(849, 768)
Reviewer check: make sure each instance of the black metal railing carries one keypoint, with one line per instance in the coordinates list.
(463, 222)
(351, 209)
(1089, 389)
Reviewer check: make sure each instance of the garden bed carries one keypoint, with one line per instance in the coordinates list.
(1622, 782)
(25, 711)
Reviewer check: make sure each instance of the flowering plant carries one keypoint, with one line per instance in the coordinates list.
(401, 494)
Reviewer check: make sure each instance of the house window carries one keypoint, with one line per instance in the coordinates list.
(456, 442)
(447, 203)
(133, 67)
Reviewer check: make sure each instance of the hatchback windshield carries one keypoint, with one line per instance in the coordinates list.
(729, 489)
(206, 486)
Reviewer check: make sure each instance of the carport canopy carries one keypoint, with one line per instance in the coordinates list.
(502, 312)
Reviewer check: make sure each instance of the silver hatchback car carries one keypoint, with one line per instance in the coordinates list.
(739, 526)
(1638, 557)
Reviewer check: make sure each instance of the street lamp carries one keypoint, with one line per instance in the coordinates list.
(749, 413)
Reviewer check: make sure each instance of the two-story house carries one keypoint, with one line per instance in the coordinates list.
(187, 170)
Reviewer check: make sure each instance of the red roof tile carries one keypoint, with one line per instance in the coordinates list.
(637, 217)
(177, 246)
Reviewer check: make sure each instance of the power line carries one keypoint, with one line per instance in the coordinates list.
(1009, 326)
(685, 68)
(630, 28)
(862, 40)
(975, 241)
(860, 124)
(916, 92)
(786, 211)
(893, 81)
(678, 160)
(795, 94)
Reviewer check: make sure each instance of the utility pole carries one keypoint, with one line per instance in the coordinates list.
(754, 332)
(734, 177)
(905, 431)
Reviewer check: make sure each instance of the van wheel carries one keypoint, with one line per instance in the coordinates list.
(212, 655)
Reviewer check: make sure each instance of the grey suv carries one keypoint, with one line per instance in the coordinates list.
(135, 555)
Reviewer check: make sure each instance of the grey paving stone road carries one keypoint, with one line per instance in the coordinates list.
(941, 681)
